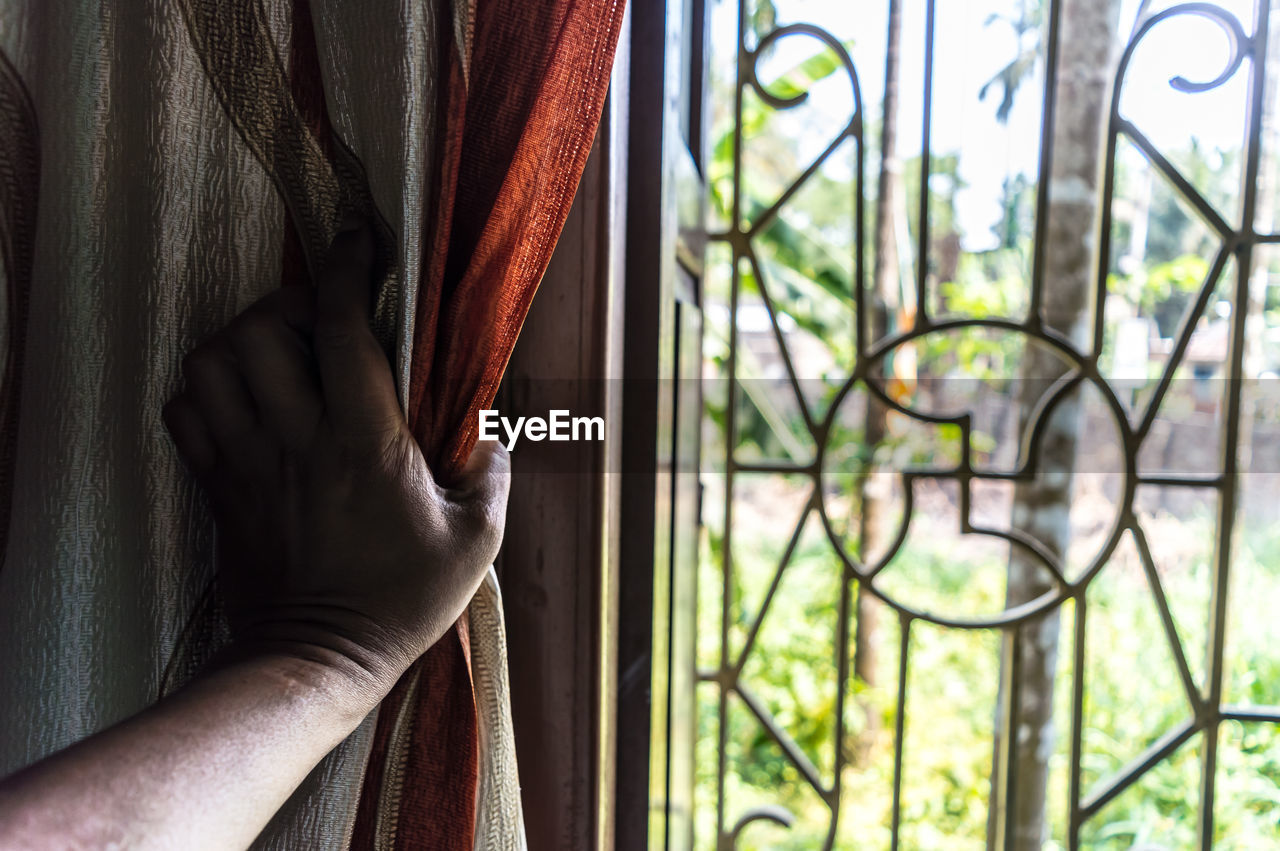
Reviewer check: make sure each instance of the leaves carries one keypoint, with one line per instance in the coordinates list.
(1027, 27)
(799, 79)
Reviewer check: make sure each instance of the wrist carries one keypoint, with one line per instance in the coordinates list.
(343, 680)
(361, 652)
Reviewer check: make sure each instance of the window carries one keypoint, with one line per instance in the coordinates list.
(989, 556)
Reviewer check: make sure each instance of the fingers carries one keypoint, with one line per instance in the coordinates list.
(278, 367)
(218, 395)
(190, 435)
(293, 359)
(358, 387)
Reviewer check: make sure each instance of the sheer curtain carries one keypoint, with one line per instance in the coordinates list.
(163, 164)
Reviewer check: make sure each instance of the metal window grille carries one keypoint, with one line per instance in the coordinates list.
(1230, 266)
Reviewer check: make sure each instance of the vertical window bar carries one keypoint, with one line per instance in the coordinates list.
(1077, 724)
(1034, 319)
(1011, 691)
(1231, 418)
(899, 728)
(922, 260)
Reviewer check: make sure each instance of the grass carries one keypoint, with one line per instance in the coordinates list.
(1133, 695)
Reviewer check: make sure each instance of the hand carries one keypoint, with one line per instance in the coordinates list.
(340, 558)
(334, 542)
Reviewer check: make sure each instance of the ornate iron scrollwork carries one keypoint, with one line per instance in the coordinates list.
(1082, 367)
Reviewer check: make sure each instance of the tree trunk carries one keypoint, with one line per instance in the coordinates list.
(874, 521)
(1085, 67)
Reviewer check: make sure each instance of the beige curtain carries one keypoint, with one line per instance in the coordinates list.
(158, 221)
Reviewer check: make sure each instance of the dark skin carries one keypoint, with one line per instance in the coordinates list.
(340, 557)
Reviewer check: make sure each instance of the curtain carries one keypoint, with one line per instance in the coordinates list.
(162, 165)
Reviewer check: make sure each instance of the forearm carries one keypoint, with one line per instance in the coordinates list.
(205, 768)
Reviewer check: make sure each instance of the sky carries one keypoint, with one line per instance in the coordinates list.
(969, 50)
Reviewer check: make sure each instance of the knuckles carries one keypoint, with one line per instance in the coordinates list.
(485, 510)
(482, 528)
(200, 363)
(338, 336)
(251, 326)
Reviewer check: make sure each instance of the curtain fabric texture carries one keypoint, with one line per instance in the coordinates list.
(164, 164)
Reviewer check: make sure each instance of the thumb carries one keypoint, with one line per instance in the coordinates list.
(482, 489)
(356, 380)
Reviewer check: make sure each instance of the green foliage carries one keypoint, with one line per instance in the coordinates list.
(806, 258)
(762, 17)
(1163, 291)
(756, 120)
(1132, 696)
(1027, 26)
(1019, 204)
(1149, 288)
(1173, 229)
(944, 183)
(800, 78)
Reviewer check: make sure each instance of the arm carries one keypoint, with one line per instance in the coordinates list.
(340, 559)
(206, 768)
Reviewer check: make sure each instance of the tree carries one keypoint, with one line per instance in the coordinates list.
(1086, 48)
(875, 519)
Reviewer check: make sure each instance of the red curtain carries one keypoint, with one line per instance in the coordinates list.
(525, 83)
